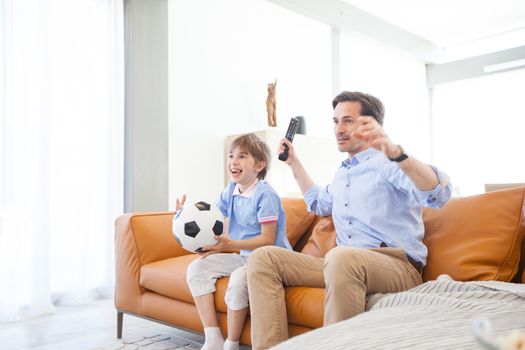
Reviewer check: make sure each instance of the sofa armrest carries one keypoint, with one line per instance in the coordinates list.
(139, 240)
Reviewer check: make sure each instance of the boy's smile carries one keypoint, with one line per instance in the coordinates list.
(243, 168)
(235, 172)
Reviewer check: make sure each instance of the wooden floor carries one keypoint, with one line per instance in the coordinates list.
(82, 327)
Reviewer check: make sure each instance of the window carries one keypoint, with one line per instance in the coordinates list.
(478, 127)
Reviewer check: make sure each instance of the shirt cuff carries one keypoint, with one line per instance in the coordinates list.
(440, 194)
(267, 220)
(310, 197)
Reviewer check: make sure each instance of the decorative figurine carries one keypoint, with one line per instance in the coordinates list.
(270, 105)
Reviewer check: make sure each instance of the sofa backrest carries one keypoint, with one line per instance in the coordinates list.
(471, 238)
(476, 238)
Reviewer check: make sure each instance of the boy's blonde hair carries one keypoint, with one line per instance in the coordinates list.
(257, 148)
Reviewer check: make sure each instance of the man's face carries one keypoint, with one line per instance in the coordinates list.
(345, 122)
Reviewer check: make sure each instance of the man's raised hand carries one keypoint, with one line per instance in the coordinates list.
(370, 131)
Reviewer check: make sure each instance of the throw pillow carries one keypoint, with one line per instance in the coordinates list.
(298, 219)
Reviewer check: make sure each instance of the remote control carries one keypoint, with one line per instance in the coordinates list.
(290, 133)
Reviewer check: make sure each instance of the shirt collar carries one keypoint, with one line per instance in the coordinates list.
(248, 192)
(360, 157)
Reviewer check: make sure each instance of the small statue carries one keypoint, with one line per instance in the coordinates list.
(270, 105)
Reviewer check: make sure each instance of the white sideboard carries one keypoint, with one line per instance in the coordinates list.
(319, 156)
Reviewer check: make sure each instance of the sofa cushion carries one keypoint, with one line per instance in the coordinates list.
(298, 219)
(322, 237)
(153, 236)
(477, 237)
(305, 306)
(168, 277)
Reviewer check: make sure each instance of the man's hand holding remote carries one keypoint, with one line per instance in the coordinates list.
(286, 145)
(290, 133)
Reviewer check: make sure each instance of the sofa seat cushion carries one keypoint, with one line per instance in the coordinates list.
(477, 237)
(168, 277)
(305, 306)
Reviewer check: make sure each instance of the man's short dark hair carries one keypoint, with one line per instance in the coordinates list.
(370, 105)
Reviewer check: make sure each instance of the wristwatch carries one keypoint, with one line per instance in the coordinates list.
(401, 157)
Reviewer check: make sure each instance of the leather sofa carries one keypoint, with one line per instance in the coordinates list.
(471, 238)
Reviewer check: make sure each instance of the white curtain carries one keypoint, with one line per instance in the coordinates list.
(61, 151)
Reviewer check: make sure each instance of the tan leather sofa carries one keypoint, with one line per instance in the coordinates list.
(471, 238)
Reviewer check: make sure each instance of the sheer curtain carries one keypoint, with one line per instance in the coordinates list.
(61, 151)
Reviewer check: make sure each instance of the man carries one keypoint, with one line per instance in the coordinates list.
(375, 199)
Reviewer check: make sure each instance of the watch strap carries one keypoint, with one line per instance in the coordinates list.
(401, 157)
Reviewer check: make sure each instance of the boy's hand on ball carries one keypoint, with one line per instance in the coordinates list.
(223, 243)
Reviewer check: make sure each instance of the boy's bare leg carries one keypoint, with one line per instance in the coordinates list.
(236, 320)
(206, 307)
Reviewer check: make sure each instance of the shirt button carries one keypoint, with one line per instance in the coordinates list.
(350, 222)
(347, 185)
(346, 204)
(433, 199)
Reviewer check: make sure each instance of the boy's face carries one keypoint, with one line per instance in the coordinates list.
(243, 168)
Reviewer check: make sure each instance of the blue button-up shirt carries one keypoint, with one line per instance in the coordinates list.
(372, 201)
(247, 212)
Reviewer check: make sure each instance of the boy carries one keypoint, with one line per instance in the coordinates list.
(255, 218)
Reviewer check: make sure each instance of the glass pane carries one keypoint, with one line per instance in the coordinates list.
(478, 129)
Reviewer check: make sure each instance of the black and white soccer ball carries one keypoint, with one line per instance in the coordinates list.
(196, 226)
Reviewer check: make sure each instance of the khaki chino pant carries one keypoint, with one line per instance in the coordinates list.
(347, 274)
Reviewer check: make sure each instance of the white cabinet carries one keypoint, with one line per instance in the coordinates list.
(318, 155)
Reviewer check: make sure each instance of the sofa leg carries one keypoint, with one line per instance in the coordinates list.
(120, 319)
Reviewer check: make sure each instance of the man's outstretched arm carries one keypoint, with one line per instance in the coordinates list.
(421, 174)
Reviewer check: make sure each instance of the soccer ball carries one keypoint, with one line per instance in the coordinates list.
(195, 226)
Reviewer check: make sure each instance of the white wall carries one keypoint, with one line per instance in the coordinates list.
(222, 55)
(398, 80)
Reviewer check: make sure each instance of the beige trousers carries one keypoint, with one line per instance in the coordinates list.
(347, 274)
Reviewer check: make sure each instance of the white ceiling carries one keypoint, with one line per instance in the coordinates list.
(452, 22)
(436, 31)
